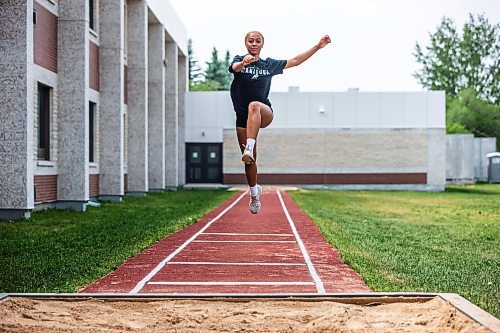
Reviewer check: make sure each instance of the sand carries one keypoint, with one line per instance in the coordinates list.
(107, 315)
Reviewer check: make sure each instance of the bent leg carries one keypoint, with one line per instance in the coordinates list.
(260, 116)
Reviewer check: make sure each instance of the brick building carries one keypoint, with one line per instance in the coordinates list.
(92, 101)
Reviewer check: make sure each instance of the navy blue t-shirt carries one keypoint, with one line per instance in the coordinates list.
(253, 82)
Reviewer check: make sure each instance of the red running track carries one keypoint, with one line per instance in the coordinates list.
(279, 250)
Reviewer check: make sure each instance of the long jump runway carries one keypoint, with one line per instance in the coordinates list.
(230, 251)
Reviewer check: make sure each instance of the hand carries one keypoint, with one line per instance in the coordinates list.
(324, 41)
(248, 59)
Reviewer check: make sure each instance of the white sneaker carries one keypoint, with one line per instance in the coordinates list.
(255, 201)
(247, 156)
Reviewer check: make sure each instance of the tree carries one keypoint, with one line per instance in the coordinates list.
(453, 63)
(194, 70)
(218, 71)
(227, 63)
(207, 85)
(480, 58)
(468, 113)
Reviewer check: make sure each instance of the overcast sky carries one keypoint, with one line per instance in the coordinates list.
(372, 40)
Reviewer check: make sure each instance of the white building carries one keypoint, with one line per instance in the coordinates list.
(370, 140)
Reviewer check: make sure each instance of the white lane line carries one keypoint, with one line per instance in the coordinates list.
(241, 234)
(241, 241)
(243, 283)
(148, 277)
(319, 284)
(235, 263)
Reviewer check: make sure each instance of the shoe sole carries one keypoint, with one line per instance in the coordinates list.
(247, 159)
(255, 212)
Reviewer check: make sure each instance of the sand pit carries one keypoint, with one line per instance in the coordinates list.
(19, 314)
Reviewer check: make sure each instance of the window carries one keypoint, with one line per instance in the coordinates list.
(92, 14)
(43, 122)
(92, 111)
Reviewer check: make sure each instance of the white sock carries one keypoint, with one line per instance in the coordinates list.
(253, 190)
(250, 144)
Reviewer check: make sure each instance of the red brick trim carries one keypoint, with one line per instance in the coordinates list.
(331, 179)
(45, 38)
(45, 188)
(94, 185)
(94, 66)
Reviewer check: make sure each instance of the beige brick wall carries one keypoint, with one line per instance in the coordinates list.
(333, 151)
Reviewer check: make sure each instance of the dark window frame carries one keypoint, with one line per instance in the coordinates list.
(44, 96)
(92, 116)
(92, 22)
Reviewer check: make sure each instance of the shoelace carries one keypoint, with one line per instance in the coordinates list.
(245, 148)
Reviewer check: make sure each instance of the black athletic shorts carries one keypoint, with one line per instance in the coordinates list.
(242, 115)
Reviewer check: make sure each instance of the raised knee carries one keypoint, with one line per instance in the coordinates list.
(253, 106)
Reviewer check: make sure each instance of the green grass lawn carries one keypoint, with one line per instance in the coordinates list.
(416, 241)
(63, 251)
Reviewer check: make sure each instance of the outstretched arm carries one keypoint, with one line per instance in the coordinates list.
(306, 55)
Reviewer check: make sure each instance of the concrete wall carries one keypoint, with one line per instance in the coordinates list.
(137, 111)
(172, 116)
(168, 18)
(482, 146)
(156, 107)
(16, 116)
(460, 157)
(466, 160)
(181, 107)
(210, 112)
(73, 104)
(351, 138)
(111, 120)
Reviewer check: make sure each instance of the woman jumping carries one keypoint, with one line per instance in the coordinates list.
(249, 93)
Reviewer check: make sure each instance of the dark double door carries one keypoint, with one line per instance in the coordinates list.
(204, 163)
